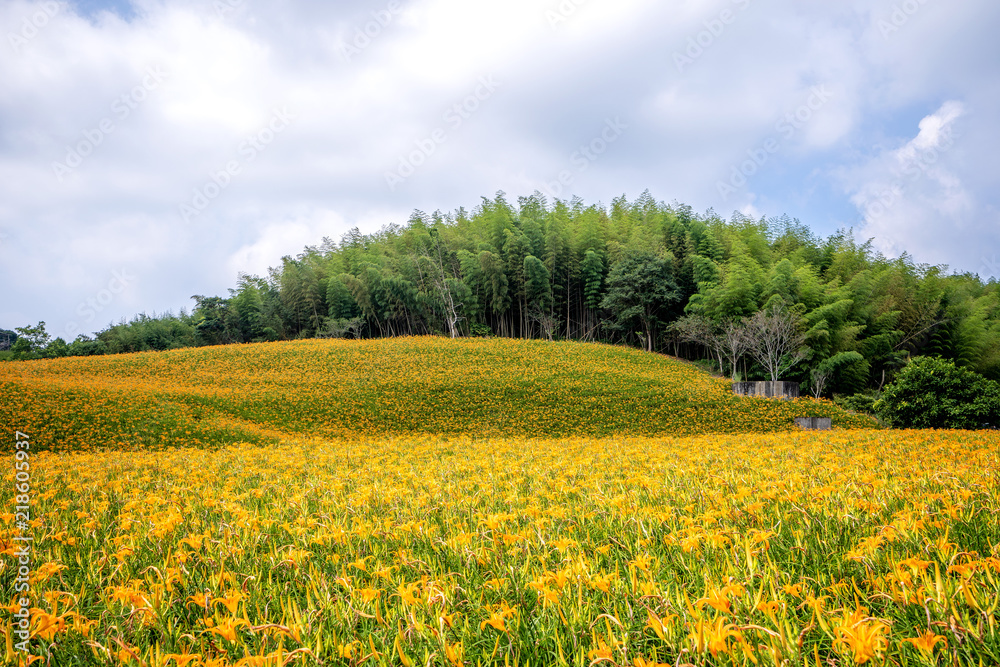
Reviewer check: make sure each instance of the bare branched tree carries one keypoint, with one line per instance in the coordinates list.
(820, 376)
(774, 340)
(547, 322)
(340, 328)
(443, 284)
(700, 331)
(735, 342)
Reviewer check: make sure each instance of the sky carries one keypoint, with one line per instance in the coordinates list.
(151, 150)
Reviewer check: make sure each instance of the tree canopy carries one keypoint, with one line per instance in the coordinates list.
(621, 274)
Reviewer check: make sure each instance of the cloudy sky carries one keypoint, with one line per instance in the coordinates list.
(154, 149)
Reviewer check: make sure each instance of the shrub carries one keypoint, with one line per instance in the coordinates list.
(934, 393)
(863, 403)
(480, 330)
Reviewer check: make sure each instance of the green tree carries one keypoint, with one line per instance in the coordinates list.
(825, 371)
(210, 315)
(250, 316)
(515, 248)
(31, 342)
(57, 348)
(538, 289)
(538, 294)
(641, 296)
(495, 284)
(85, 346)
(934, 393)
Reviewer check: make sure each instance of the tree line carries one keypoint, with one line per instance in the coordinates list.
(644, 273)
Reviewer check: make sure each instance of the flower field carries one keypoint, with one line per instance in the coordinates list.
(433, 502)
(851, 547)
(264, 392)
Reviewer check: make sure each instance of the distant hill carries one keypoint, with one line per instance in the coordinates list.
(266, 392)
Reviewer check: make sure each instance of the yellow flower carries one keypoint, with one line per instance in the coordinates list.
(81, 624)
(795, 590)
(498, 616)
(349, 650)
(717, 599)
(639, 661)
(863, 636)
(495, 584)
(226, 628)
(201, 600)
(231, 601)
(926, 642)
(714, 636)
(182, 659)
(601, 652)
(602, 582)
(408, 593)
(46, 625)
(367, 594)
(448, 619)
(915, 564)
(453, 653)
(496, 620)
(657, 624)
(194, 541)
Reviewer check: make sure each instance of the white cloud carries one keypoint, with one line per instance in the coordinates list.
(913, 198)
(936, 131)
(278, 239)
(354, 118)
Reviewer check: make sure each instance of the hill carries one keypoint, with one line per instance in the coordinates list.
(267, 392)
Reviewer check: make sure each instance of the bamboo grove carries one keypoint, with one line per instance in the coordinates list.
(620, 274)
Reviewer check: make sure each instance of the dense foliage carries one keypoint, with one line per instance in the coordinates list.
(934, 393)
(623, 274)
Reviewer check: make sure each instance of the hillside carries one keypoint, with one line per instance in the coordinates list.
(267, 392)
